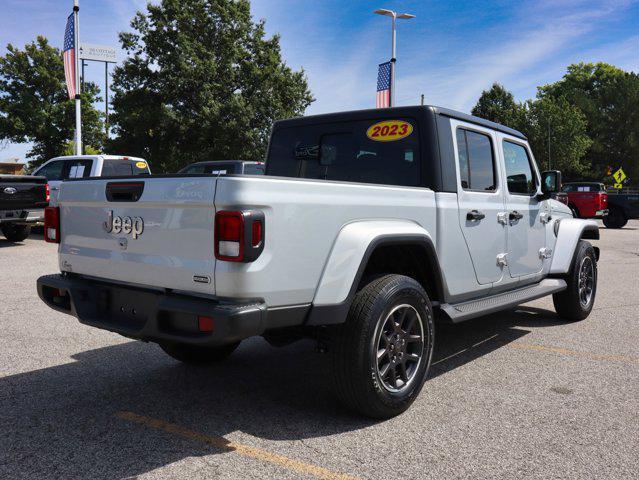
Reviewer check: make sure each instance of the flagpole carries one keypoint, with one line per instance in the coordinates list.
(76, 46)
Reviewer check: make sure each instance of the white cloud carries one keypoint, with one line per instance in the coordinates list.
(518, 54)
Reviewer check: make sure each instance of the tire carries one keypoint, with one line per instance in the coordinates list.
(375, 386)
(576, 302)
(615, 218)
(15, 233)
(196, 355)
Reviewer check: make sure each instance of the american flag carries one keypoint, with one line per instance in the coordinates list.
(382, 100)
(68, 55)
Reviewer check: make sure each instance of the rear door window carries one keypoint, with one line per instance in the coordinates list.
(78, 168)
(348, 152)
(116, 168)
(476, 161)
(124, 168)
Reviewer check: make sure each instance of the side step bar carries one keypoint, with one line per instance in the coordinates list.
(459, 312)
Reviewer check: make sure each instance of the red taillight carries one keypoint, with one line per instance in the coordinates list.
(48, 192)
(256, 233)
(239, 235)
(52, 224)
(229, 236)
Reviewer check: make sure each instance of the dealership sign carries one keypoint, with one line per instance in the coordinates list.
(99, 53)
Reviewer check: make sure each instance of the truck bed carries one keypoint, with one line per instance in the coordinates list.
(176, 249)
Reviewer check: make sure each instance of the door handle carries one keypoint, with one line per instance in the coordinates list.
(474, 216)
(53, 189)
(515, 215)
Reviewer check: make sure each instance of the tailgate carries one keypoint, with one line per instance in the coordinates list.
(22, 192)
(155, 231)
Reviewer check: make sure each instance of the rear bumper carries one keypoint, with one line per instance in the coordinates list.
(156, 315)
(22, 217)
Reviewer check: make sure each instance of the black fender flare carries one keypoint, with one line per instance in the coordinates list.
(336, 313)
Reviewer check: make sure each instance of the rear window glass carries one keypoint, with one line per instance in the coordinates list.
(350, 152)
(124, 168)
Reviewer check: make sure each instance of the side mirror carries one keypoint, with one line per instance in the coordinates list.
(550, 183)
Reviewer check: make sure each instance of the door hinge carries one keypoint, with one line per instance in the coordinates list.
(502, 217)
(545, 217)
(545, 253)
(502, 261)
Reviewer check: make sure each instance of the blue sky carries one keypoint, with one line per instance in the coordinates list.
(450, 52)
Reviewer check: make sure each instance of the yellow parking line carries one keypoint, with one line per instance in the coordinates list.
(224, 444)
(575, 353)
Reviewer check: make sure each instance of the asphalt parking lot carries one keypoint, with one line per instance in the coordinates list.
(515, 395)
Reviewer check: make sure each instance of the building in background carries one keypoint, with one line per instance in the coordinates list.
(11, 166)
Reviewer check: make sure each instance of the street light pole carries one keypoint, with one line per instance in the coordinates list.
(393, 60)
(394, 16)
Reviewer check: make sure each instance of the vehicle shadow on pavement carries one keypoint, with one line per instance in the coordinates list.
(60, 422)
(456, 345)
(4, 243)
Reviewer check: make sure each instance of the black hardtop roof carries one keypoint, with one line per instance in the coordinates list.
(394, 112)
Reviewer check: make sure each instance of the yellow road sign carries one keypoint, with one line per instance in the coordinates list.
(619, 175)
(618, 185)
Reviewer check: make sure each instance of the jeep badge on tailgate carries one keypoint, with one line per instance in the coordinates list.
(126, 225)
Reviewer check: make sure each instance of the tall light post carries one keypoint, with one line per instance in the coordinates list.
(394, 16)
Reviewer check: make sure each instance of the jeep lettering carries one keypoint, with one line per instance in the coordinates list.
(127, 225)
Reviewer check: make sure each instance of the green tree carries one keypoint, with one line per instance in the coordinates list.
(201, 82)
(69, 149)
(562, 127)
(498, 105)
(542, 121)
(35, 106)
(609, 99)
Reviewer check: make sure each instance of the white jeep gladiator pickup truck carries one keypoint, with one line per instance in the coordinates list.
(367, 227)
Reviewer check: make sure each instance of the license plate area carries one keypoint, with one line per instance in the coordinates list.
(124, 309)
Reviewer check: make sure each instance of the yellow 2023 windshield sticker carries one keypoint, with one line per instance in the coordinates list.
(389, 130)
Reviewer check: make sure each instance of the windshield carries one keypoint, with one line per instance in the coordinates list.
(370, 151)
